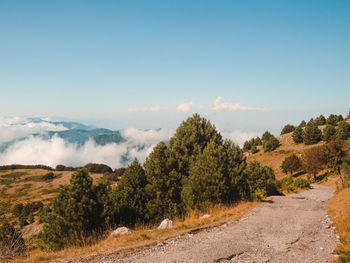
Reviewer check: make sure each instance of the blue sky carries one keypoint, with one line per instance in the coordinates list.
(132, 63)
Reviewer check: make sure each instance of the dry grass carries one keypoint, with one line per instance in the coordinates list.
(145, 236)
(339, 210)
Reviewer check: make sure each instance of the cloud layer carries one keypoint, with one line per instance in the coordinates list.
(145, 109)
(41, 150)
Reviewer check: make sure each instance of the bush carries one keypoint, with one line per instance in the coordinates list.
(11, 242)
(98, 168)
(291, 164)
(260, 179)
(286, 184)
(48, 176)
(301, 183)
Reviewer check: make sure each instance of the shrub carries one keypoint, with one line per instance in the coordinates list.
(48, 176)
(11, 242)
(291, 164)
(260, 179)
(98, 168)
(301, 183)
(286, 184)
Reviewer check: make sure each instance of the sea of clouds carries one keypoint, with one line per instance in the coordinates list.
(29, 149)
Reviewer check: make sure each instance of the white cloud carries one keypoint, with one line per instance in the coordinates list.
(145, 109)
(37, 150)
(17, 127)
(220, 105)
(185, 107)
(239, 137)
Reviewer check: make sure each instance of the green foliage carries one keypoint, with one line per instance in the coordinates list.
(343, 131)
(11, 242)
(266, 136)
(328, 133)
(189, 141)
(298, 135)
(76, 212)
(302, 124)
(286, 184)
(312, 134)
(251, 145)
(98, 168)
(217, 176)
(129, 197)
(335, 155)
(48, 177)
(301, 183)
(164, 185)
(260, 179)
(270, 144)
(291, 164)
(332, 119)
(287, 129)
(346, 163)
(320, 120)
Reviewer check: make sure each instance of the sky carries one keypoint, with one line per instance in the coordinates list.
(246, 65)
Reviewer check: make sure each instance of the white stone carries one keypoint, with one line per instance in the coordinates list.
(166, 223)
(204, 216)
(121, 231)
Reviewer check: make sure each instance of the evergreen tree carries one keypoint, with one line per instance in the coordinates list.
(343, 131)
(76, 212)
(217, 176)
(348, 117)
(340, 118)
(129, 197)
(291, 164)
(312, 134)
(189, 141)
(298, 135)
(328, 133)
(302, 124)
(261, 180)
(313, 160)
(332, 119)
(164, 185)
(287, 129)
(266, 136)
(320, 120)
(271, 144)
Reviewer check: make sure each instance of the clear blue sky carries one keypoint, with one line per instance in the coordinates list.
(121, 63)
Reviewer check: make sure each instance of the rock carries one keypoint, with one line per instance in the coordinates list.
(166, 223)
(204, 216)
(32, 230)
(121, 231)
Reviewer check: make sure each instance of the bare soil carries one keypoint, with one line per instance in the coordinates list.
(293, 228)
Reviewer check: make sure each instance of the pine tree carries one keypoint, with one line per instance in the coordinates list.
(287, 129)
(342, 131)
(346, 164)
(328, 133)
(302, 124)
(164, 185)
(76, 213)
(189, 141)
(270, 144)
(312, 134)
(129, 197)
(332, 119)
(320, 120)
(217, 176)
(335, 155)
(298, 135)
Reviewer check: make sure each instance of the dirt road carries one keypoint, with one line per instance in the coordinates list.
(293, 228)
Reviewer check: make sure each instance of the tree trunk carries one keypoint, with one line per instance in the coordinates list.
(341, 177)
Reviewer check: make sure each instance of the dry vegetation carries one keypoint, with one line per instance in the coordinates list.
(339, 210)
(146, 236)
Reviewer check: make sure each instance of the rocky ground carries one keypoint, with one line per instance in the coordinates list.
(293, 228)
